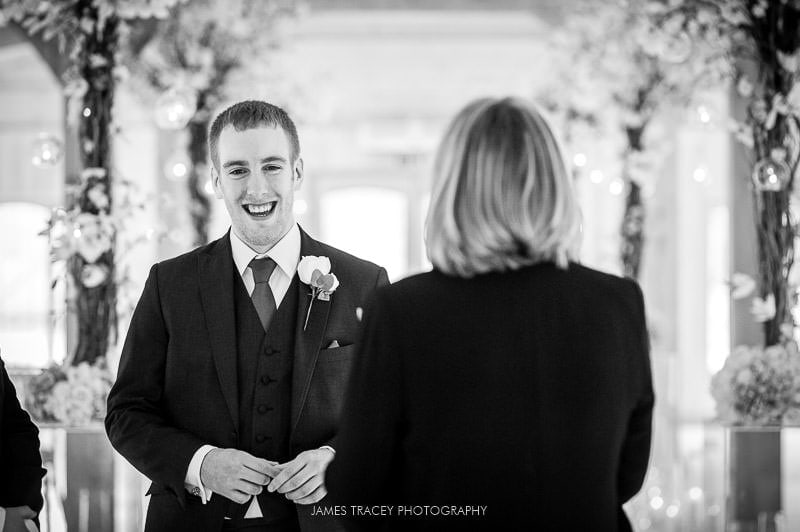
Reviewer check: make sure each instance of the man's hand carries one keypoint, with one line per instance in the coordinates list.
(17, 519)
(302, 479)
(236, 474)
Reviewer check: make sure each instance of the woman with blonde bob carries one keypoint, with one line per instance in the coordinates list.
(509, 387)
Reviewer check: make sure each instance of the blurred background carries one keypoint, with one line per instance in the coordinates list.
(679, 121)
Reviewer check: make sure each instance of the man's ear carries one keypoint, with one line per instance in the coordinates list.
(298, 173)
(215, 182)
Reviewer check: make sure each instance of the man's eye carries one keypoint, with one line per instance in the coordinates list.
(272, 168)
(237, 172)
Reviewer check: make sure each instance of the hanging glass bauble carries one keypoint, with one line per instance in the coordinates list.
(47, 151)
(771, 174)
(176, 107)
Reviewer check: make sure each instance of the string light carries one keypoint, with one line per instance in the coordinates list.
(656, 503)
(47, 151)
(579, 160)
(672, 510)
(175, 108)
(616, 187)
(699, 174)
(177, 167)
(703, 114)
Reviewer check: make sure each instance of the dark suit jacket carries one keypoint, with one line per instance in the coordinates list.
(20, 462)
(177, 384)
(528, 392)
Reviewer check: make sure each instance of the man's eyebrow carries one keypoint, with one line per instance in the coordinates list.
(273, 158)
(228, 164)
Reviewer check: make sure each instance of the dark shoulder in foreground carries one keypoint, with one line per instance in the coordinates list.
(575, 278)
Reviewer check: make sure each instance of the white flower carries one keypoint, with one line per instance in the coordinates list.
(763, 309)
(309, 263)
(93, 275)
(742, 285)
(93, 171)
(793, 99)
(98, 197)
(789, 62)
(316, 273)
(93, 236)
(744, 87)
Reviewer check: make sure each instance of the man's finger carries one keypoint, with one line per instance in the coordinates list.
(304, 490)
(315, 496)
(288, 472)
(248, 488)
(254, 476)
(265, 467)
(239, 497)
(297, 481)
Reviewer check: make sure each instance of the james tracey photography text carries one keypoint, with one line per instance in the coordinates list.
(399, 511)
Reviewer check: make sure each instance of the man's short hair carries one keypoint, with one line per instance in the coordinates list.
(251, 114)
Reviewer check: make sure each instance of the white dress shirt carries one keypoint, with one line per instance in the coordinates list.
(286, 254)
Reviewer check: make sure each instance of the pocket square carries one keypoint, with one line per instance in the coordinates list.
(333, 344)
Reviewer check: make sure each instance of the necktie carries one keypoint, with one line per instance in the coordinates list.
(262, 296)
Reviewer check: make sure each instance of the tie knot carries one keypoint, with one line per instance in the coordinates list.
(262, 269)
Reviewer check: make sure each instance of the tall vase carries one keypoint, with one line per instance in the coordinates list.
(80, 478)
(763, 479)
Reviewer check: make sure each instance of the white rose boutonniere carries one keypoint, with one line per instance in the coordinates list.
(316, 273)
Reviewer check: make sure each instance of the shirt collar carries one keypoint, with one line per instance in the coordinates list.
(285, 252)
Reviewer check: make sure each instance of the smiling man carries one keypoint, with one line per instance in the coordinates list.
(231, 379)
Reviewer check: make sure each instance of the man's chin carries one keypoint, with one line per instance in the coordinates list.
(260, 236)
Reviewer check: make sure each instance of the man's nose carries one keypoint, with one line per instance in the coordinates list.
(258, 184)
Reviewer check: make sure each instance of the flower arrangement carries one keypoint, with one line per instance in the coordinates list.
(761, 42)
(72, 395)
(89, 33)
(759, 386)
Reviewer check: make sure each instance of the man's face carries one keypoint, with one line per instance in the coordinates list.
(257, 180)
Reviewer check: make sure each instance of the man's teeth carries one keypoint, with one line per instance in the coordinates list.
(261, 209)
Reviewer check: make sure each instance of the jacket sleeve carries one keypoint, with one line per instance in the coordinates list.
(137, 422)
(367, 452)
(636, 447)
(20, 462)
(381, 279)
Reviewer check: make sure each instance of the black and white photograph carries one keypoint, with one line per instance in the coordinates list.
(388, 265)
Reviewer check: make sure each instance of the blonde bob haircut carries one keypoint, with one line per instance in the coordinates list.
(502, 197)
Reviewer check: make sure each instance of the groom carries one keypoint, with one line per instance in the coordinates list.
(231, 379)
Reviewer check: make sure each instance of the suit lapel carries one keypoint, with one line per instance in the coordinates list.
(307, 342)
(216, 293)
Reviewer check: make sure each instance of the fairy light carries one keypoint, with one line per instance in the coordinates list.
(579, 160)
(656, 503)
(700, 175)
(616, 187)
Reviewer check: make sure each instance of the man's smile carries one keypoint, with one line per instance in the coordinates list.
(259, 210)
